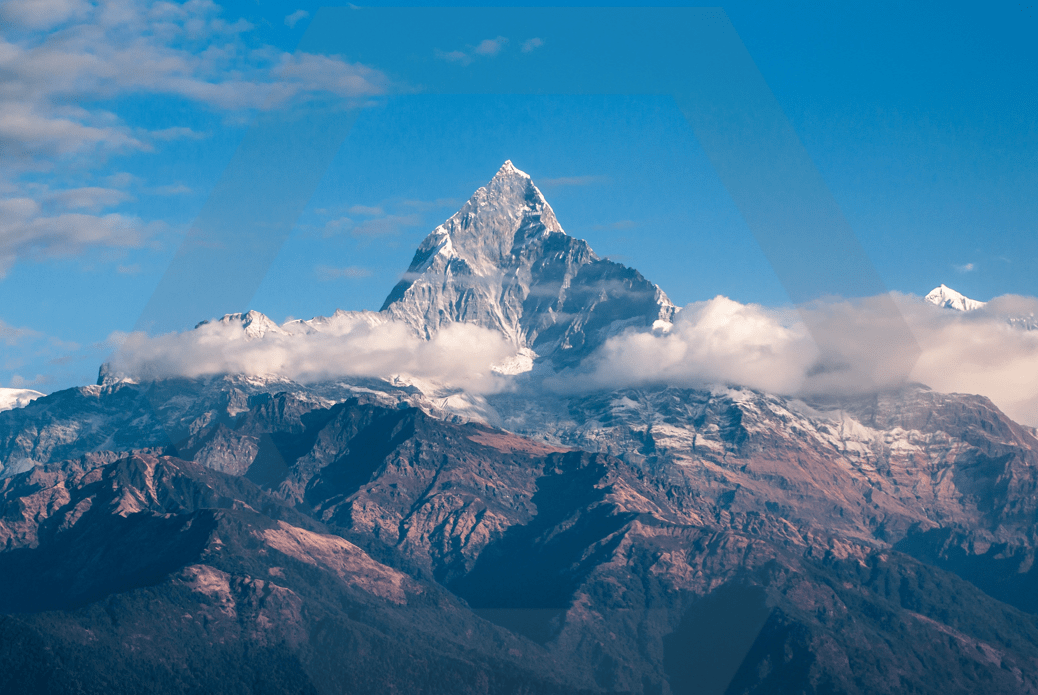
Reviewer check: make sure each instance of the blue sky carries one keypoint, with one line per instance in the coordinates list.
(120, 118)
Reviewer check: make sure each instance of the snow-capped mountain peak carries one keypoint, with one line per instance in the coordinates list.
(503, 262)
(948, 298)
(509, 169)
(253, 323)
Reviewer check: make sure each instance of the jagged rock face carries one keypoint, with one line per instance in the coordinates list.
(869, 470)
(863, 472)
(218, 587)
(503, 262)
(185, 414)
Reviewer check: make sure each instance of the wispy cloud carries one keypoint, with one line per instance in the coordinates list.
(487, 48)
(25, 346)
(490, 47)
(43, 14)
(454, 56)
(337, 226)
(965, 268)
(64, 63)
(294, 18)
(25, 231)
(12, 335)
(531, 44)
(177, 133)
(88, 198)
(123, 47)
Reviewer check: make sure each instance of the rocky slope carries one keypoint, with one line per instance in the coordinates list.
(156, 575)
(450, 557)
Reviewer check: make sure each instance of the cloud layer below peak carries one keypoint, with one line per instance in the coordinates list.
(721, 341)
(989, 351)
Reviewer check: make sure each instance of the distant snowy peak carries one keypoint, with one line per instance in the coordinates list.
(255, 324)
(17, 398)
(948, 298)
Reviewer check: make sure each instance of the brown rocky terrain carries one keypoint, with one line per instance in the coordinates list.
(458, 540)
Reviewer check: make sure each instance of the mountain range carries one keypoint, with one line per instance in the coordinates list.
(231, 532)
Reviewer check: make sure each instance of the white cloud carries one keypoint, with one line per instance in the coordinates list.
(965, 268)
(454, 56)
(717, 341)
(721, 341)
(979, 352)
(487, 48)
(32, 130)
(121, 47)
(58, 58)
(177, 133)
(26, 231)
(337, 226)
(88, 198)
(490, 47)
(122, 179)
(294, 18)
(460, 356)
(20, 382)
(43, 14)
(12, 335)
(532, 44)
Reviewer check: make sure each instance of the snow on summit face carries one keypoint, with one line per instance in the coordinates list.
(17, 398)
(503, 262)
(948, 298)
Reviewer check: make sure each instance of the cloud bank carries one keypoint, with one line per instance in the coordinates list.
(992, 351)
(724, 342)
(345, 345)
